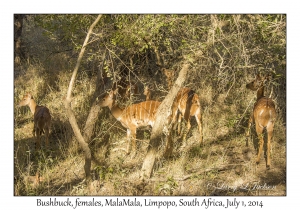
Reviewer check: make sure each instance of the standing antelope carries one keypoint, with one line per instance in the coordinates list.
(132, 117)
(186, 103)
(264, 115)
(41, 118)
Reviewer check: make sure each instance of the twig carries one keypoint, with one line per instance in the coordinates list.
(250, 103)
(221, 168)
(123, 63)
(218, 169)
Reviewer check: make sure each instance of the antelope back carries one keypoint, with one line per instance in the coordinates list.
(141, 114)
(187, 99)
(42, 117)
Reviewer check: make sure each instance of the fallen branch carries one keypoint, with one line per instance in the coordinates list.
(215, 169)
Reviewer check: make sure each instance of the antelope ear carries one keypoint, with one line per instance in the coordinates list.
(111, 93)
(29, 95)
(114, 86)
(258, 76)
(115, 91)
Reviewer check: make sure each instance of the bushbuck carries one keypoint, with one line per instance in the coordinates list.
(41, 118)
(264, 116)
(186, 103)
(132, 117)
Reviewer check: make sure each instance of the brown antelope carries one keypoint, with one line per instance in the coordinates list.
(41, 118)
(34, 181)
(264, 115)
(186, 103)
(132, 117)
(169, 76)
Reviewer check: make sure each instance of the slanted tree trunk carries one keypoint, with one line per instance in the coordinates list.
(83, 143)
(157, 130)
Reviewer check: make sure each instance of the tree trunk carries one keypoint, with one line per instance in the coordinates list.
(18, 25)
(157, 130)
(83, 143)
(95, 108)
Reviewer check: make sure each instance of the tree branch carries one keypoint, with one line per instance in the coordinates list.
(70, 113)
(80, 57)
(157, 130)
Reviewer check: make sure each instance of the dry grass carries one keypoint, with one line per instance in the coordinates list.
(224, 165)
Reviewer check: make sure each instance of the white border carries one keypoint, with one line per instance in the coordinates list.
(8, 8)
